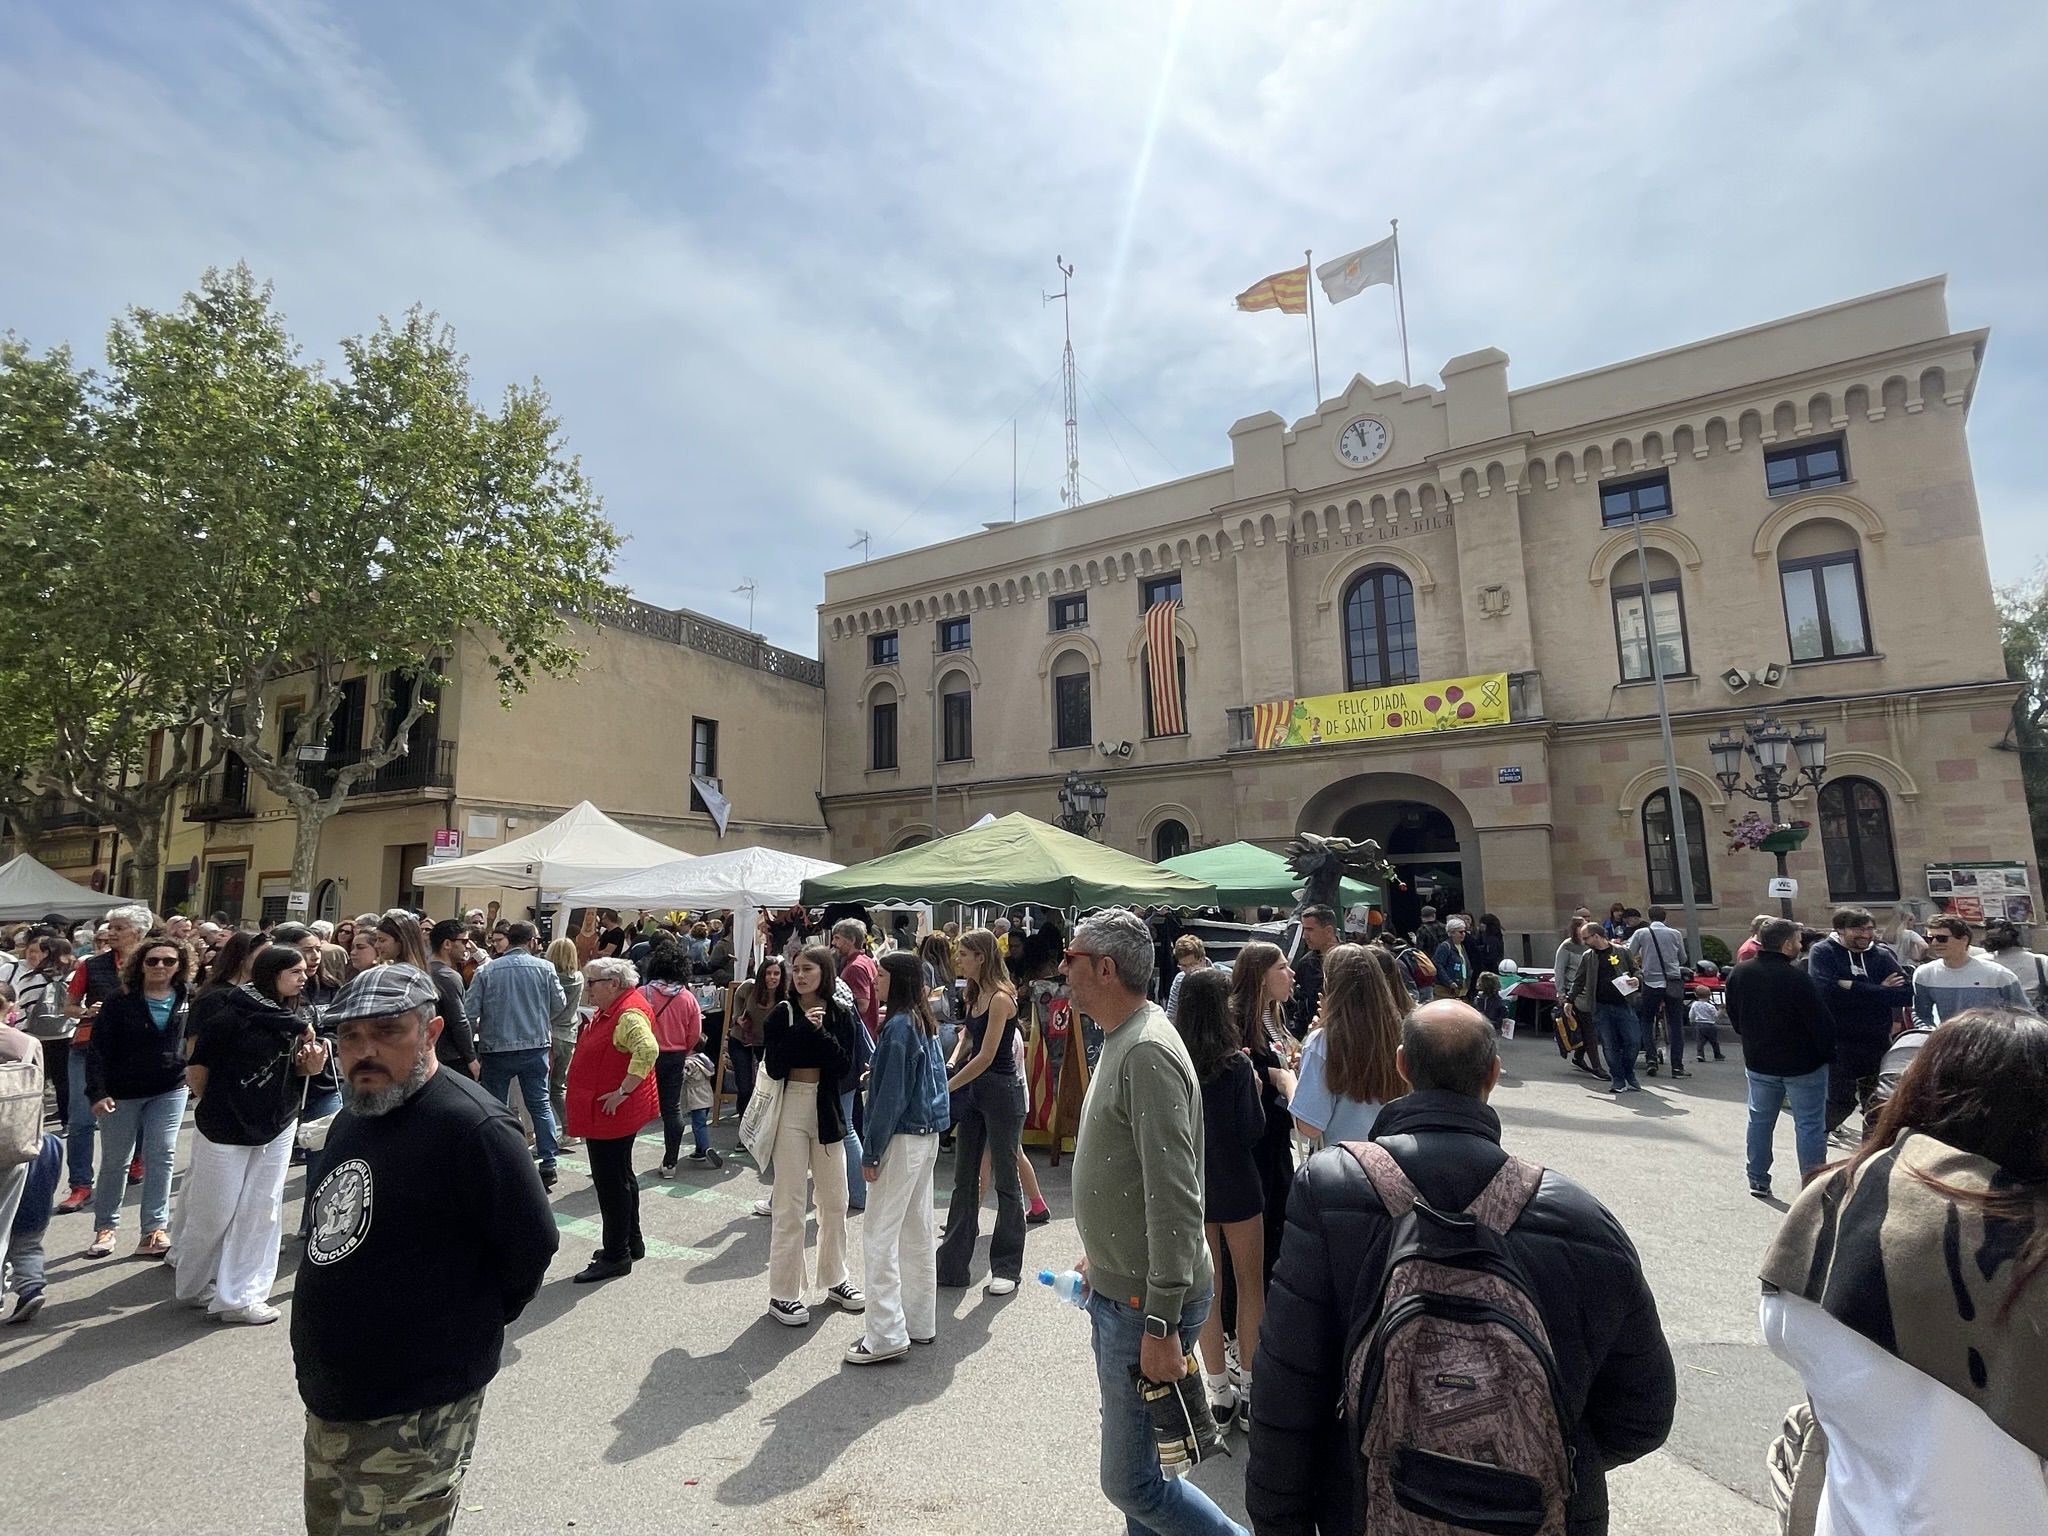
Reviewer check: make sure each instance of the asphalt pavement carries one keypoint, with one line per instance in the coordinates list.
(669, 1400)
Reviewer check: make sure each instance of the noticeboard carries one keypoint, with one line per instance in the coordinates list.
(1982, 892)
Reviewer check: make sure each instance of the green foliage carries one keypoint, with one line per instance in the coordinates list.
(216, 514)
(1713, 947)
(2023, 616)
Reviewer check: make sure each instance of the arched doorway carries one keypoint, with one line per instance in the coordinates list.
(1423, 828)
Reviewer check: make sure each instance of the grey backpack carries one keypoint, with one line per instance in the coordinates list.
(21, 1110)
(1450, 1387)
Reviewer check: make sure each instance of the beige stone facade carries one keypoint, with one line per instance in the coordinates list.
(620, 733)
(1483, 512)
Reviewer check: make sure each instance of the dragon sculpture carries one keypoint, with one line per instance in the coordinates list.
(1321, 863)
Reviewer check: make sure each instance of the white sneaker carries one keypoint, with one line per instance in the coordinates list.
(998, 1286)
(764, 1208)
(253, 1315)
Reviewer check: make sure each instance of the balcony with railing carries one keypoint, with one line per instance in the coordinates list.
(218, 797)
(429, 766)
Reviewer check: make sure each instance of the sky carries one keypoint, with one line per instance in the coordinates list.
(781, 269)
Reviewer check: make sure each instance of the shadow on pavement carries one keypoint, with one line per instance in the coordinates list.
(94, 1345)
(811, 1432)
(738, 1249)
(682, 1392)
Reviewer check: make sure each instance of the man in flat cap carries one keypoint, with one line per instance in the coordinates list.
(430, 1233)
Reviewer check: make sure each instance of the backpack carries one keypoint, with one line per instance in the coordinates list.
(21, 1110)
(1449, 1382)
(1421, 969)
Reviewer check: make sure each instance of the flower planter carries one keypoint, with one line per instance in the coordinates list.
(1785, 841)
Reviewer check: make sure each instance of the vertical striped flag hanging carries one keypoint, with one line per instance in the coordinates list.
(1169, 709)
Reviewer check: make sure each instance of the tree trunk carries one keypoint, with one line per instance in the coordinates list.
(312, 817)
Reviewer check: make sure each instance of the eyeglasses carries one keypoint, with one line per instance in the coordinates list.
(1071, 955)
(171, 960)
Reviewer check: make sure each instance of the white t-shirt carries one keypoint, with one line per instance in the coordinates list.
(1906, 1456)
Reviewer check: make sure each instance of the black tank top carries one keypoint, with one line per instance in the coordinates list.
(1003, 1063)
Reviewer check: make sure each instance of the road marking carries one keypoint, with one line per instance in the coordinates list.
(578, 1226)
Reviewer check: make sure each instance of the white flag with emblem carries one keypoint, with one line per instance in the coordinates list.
(1349, 276)
(714, 802)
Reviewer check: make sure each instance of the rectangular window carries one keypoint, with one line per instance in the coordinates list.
(882, 735)
(1824, 616)
(952, 634)
(882, 650)
(1647, 498)
(959, 726)
(703, 758)
(1159, 589)
(1070, 612)
(1806, 467)
(1669, 610)
(1073, 722)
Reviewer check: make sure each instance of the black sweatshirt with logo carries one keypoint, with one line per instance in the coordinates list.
(431, 1232)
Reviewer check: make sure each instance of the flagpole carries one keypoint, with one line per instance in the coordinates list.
(1401, 303)
(1315, 361)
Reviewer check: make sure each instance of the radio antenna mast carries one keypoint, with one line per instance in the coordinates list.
(1070, 489)
(861, 542)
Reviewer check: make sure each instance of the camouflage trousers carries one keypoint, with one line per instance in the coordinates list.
(400, 1475)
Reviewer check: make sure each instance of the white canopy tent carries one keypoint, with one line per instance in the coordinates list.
(30, 889)
(580, 846)
(744, 880)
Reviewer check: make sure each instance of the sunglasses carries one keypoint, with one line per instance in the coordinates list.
(1945, 938)
(160, 960)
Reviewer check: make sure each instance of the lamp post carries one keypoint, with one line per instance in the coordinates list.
(1083, 804)
(1784, 761)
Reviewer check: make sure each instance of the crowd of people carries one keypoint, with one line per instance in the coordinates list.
(1277, 1162)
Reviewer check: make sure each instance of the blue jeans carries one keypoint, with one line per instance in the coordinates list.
(1809, 1095)
(1150, 1501)
(1660, 1005)
(856, 1186)
(1620, 1039)
(498, 1068)
(148, 1128)
(78, 1122)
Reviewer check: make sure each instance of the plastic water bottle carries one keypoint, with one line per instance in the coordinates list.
(1069, 1285)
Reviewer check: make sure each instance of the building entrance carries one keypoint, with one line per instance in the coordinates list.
(1421, 842)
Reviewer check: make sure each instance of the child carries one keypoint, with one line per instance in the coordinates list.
(697, 1099)
(1705, 1018)
(1487, 999)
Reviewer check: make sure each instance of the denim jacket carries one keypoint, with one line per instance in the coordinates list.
(906, 1088)
(512, 1001)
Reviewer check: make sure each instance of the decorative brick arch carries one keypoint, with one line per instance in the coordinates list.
(1704, 788)
(1670, 540)
(1807, 509)
(1068, 640)
(1406, 561)
(1891, 776)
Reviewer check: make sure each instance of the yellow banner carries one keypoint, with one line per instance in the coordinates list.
(1410, 709)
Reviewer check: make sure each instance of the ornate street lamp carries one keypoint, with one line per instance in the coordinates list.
(1083, 804)
(1784, 761)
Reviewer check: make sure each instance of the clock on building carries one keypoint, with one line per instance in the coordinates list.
(1364, 441)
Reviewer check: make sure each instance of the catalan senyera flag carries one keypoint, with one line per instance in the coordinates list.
(1169, 709)
(1285, 291)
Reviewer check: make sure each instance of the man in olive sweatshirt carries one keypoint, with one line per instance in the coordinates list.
(1138, 1206)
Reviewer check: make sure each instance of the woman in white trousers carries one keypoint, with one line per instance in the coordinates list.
(248, 1068)
(907, 1108)
(808, 1041)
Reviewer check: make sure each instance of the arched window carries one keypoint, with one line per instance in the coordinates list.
(1660, 848)
(1667, 603)
(1379, 630)
(1856, 839)
(1820, 569)
(956, 710)
(882, 713)
(1169, 841)
(1073, 717)
(1180, 661)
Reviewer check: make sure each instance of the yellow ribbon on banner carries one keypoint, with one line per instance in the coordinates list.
(1407, 709)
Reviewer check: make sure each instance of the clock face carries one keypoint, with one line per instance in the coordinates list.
(1363, 441)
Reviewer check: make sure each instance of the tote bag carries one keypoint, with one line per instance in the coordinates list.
(763, 1119)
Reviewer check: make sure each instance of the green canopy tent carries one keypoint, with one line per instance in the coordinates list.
(1012, 860)
(1246, 875)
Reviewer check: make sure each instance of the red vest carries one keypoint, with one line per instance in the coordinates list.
(597, 1068)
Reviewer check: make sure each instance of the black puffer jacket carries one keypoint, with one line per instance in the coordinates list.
(1587, 1282)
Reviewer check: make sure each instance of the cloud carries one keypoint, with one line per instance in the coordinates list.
(783, 279)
